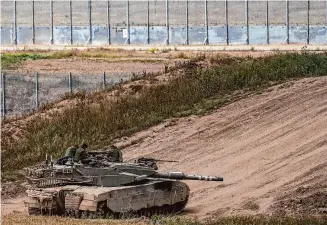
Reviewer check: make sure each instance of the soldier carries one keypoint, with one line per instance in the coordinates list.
(70, 152)
(81, 154)
(114, 154)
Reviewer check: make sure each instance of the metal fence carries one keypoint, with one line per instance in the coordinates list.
(22, 93)
(163, 22)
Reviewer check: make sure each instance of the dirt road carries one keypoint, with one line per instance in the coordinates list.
(267, 147)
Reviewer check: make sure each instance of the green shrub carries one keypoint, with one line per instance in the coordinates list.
(11, 61)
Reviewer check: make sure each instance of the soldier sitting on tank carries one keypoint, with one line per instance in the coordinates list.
(69, 154)
(81, 153)
(114, 154)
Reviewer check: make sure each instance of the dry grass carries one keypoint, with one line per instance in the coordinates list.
(233, 220)
(54, 220)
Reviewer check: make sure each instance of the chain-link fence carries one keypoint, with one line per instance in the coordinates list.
(21, 93)
(164, 22)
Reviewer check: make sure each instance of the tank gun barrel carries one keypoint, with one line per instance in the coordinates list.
(162, 160)
(144, 159)
(182, 176)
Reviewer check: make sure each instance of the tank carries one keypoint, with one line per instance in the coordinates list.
(102, 189)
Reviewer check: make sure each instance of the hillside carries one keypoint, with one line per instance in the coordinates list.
(266, 147)
(270, 148)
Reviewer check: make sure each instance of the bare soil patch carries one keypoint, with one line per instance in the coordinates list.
(92, 66)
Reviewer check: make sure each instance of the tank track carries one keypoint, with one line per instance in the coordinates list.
(104, 213)
(37, 211)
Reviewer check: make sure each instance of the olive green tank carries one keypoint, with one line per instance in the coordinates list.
(102, 189)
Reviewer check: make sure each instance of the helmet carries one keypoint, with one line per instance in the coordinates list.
(84, 145)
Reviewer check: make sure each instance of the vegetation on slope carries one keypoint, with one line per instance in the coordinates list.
(197, 91)
(232, 220)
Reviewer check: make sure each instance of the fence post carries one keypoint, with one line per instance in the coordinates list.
(104, 80)
(287, 23)
(206, 40)
(108, 22)
(187, 38)
(51, 22)
(267, 22)
(148, 23)
(70, 82)
(127, 18)
(71, 22)
(3, 94)
(226, 21)
(37, 89)
(308, 23)
(15, 23)
(247, 21)
(90, 21)
(167, 23)
(33, 23)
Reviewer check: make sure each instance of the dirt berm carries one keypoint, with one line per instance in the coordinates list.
(270, 148)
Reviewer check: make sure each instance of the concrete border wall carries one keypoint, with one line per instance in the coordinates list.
(163, 22)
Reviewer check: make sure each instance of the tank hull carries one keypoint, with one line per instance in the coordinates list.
(154, 197)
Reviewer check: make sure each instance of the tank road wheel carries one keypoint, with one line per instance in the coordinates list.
(103, 212)
(126, 215)
(123, 215)
(173, 208)
(93, 215)
(84, 215)
(166, 209)
(155, 210)
(139, 213)
(117, 215)
(69, 213)
(76, 214)
(130, 214)
(34, 211)
(152, 211)
(142, 212)
(53, 212)
(162, 210)
(66, 214)
(148, 212)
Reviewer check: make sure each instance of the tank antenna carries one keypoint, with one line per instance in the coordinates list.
(51, 161)
(46, 159)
